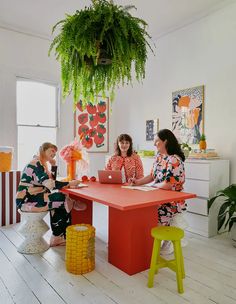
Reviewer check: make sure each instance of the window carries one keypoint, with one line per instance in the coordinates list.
(37, 108)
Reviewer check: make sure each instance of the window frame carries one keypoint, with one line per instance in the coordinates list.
(57, 103)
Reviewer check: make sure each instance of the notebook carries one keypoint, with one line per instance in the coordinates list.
(109, 177)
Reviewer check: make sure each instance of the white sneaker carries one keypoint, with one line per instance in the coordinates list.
(167, 248)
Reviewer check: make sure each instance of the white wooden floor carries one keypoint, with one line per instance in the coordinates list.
(28, 279)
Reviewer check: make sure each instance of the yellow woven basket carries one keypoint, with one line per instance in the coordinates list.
(80, 248)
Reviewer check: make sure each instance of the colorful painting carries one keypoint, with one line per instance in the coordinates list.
(187, 114)
(152, 127)
(91, 125)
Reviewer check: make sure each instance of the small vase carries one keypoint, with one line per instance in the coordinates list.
(71, 170)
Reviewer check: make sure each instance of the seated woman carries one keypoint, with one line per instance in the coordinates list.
(167, 173)
(125, 159)
(38, 191)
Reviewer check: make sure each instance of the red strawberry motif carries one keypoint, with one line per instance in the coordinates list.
(102, 117)
(83, 118)
(102, 106)
(87, 142)
(101, 129)
(93, 120)
(98, 139)
(91, 109)
(79, 106)
(83, 129)
(91, 132)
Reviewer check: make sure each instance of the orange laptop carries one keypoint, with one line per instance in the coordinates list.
(109, 177)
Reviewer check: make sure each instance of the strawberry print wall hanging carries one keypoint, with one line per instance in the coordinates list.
(91, 124)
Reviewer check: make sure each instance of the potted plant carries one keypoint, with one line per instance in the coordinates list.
(227, 210)
(186, 149)
(98, 48)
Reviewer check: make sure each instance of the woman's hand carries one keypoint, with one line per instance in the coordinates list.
(52, 162)
(73, 183)
(132, 181)
(141, 181)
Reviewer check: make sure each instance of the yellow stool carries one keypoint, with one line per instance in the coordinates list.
(167, 233)
(80, 248)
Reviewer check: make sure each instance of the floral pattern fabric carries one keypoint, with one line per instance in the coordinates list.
(133, 166)
(169, 168)
(38, 191)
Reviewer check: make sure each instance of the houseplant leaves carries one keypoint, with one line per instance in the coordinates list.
(99, 48)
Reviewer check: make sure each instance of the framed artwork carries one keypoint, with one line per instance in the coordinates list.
(187, 114)
(152, 127)
(92, 125)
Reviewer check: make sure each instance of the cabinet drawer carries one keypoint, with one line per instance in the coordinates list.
(199, 187)
(197, 223)
(197, 205)
(198, 171)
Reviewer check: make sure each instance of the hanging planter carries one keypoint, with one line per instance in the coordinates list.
(97, 48)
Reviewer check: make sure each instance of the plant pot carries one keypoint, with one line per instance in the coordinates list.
(233, 234)
(104, 58)
(186, 153)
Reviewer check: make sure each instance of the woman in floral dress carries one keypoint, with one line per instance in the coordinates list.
(38, 191)
(167, 173)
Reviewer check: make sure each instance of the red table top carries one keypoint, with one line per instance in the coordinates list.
(126, 199)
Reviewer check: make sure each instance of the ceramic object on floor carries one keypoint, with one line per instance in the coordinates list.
(33, 228)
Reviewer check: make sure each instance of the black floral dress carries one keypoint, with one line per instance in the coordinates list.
(38, 191)
(169, 168)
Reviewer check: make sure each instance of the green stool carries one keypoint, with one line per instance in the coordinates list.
(167, 233)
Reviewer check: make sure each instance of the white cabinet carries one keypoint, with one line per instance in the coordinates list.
(204, 178)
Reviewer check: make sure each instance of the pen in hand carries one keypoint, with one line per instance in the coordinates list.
(132, 180)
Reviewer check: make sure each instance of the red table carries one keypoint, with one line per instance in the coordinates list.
(132, 214)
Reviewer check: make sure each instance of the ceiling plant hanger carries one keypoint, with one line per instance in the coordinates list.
(99, 48)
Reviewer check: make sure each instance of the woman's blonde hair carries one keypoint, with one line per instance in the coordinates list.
(45, 146)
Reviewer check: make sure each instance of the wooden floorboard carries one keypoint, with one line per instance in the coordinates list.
(42, 278)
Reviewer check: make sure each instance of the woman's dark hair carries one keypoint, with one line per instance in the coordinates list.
(172, 145)
(124, 137)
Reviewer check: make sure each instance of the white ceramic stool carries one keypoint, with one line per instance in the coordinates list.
(33, 227)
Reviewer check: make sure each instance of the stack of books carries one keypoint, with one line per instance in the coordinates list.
(146, 153)
(206, 154)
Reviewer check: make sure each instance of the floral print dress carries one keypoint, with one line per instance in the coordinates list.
(38, 191)
(169, 168)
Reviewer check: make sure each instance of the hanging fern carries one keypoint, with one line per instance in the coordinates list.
(102, 29)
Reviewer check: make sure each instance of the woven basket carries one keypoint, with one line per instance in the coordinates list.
(80, 248)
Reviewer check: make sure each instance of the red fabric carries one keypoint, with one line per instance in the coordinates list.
(132, 164)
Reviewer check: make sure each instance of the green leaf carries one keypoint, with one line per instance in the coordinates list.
(231, 222)
(102, 29)
(227, 210)
(211, 201)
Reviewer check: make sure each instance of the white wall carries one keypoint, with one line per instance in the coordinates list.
(201, 53)
(26, 56)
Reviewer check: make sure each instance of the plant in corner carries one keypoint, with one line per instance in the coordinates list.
(227, 211)
(98, 47)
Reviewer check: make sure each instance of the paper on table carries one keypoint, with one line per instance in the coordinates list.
(81, 185)
(141, 188)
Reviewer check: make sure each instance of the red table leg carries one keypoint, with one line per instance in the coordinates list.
(85, 216)
(130, 241)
